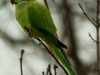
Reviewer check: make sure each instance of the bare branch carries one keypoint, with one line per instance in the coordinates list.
(21, 59)
(96, 24)
(97, 30)
(47, 70)
(86, 15)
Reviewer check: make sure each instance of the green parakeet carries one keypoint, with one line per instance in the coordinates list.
(36, 17)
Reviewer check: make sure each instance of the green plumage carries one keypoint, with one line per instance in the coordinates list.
(37, 19)
(33, 12)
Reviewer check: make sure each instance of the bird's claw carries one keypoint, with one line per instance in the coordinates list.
(28, 32)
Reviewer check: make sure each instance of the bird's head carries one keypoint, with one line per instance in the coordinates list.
(15, 1)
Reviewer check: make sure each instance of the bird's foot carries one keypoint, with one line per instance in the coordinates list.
(31, 35)
(39, 40)
(28, 32)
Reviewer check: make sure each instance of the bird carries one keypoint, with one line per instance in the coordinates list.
(36, 18)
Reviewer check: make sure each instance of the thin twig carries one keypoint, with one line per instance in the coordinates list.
(92, 37)
(43, 73)
(94, 20)
(49, 69)
(55, 67)
(21, 59)
(86, 15)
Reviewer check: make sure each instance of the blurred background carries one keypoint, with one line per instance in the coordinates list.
(73, 28)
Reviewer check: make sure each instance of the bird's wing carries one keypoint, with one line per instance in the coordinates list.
(40, 18)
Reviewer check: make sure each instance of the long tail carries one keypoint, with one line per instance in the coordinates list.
(62, 59)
